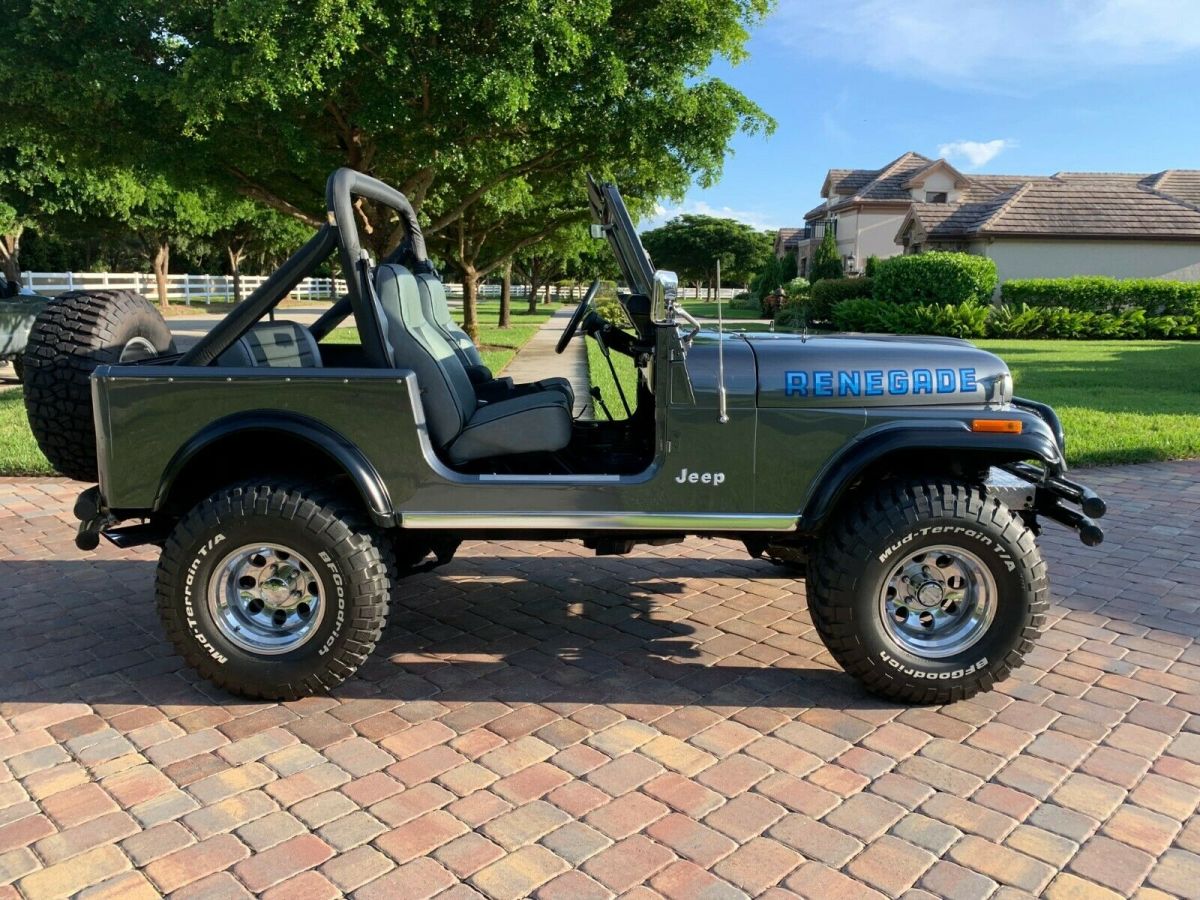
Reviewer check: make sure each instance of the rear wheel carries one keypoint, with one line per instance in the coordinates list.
(74, 334)
(928, 592)
(272, 592)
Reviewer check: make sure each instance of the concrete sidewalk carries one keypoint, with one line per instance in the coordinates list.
(537, 360)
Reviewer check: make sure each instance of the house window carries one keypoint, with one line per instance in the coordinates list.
(935, 197)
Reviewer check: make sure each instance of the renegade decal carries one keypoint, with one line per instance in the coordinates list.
(879, 382)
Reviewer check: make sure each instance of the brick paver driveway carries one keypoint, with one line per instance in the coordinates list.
(541, 721)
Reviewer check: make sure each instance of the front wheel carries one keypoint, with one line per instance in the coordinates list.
(928, 592)
(272, 593)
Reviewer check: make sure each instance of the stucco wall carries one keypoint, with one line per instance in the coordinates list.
(1119, 259)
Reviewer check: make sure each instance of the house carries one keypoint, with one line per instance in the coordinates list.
(1033, 226)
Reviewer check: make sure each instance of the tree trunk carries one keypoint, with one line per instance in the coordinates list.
(533, 290)
(235, 269)
(10, 255)
(162, 262)
(547, 300)
(470, 282)
(506, 296)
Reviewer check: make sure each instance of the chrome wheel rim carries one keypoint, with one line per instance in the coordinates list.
(266, 599)
(938, 601)
(136, 349)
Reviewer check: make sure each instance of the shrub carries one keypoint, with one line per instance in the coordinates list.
(935, 277)
(966, 319)
(872, 265)
(827, 261)
(828, 293)
(1097, 294)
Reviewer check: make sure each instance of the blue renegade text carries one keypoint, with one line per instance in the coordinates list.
(879, 382)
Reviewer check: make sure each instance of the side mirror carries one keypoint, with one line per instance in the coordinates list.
(662, 304)
(596, 231)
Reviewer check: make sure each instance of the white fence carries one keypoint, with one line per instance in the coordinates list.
(206, 288)
(219, 288)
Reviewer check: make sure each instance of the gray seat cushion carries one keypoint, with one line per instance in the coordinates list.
(536, 422)
(274, 345)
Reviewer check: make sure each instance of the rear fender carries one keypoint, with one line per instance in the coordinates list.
(269, 427)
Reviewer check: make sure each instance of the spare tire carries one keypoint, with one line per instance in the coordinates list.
(74, 334)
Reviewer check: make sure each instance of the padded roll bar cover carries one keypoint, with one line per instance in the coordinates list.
(345, 184)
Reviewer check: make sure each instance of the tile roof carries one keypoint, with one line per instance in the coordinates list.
(1082, 204)
(1078, 207)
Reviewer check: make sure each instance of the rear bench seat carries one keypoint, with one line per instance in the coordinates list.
(274, 345)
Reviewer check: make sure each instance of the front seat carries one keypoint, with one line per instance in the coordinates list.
(460, 425)
(437, 311)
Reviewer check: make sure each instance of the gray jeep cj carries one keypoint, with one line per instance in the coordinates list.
(291, 481)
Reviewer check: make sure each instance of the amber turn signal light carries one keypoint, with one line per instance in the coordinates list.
(997, 426)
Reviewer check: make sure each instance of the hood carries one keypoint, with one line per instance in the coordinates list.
(875, 370)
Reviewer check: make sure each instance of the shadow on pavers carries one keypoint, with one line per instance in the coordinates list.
(483, 629)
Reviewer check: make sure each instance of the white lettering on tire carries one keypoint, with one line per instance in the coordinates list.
(188, 607)
(339, 587)
(983, 539)
(932, 676)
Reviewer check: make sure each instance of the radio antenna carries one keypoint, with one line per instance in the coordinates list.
(722, 412)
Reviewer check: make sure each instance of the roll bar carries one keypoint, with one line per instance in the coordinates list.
(341, 233)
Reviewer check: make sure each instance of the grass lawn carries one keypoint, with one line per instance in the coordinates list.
(1120, 401)
(703, 310)
(19, 453)
(600, 375)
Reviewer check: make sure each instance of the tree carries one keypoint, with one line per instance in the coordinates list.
(827, 260)
(451, 102)
(690, 245)
(253, 230)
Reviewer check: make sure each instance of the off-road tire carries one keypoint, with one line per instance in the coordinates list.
(317, 527)
(74, 334)
(19, 369)
(846, 576)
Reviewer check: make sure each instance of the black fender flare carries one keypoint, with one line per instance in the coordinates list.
(316, 434)
(1036, 441)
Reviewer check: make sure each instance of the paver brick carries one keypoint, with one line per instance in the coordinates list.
(599, 767)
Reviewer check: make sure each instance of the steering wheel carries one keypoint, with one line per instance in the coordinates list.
(577, 317)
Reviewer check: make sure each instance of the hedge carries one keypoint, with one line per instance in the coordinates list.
(1097, 294)
(972, 319)
(826, 294)
(935, 277)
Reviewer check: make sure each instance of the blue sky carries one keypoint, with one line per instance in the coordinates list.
(1008, 86)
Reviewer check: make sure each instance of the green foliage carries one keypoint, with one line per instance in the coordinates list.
(1093, 293)
(775, 273)
(973, 319)
(935, 277)
(827, 260)
(487, 115)
(872, 265)
(828, 292)
(690, 245)
(966, 319)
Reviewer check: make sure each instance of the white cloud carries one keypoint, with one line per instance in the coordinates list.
(975, 153)
(982, 43)
(663, 214)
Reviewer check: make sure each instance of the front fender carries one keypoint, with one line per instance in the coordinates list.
(262, 425)
(871, 449)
